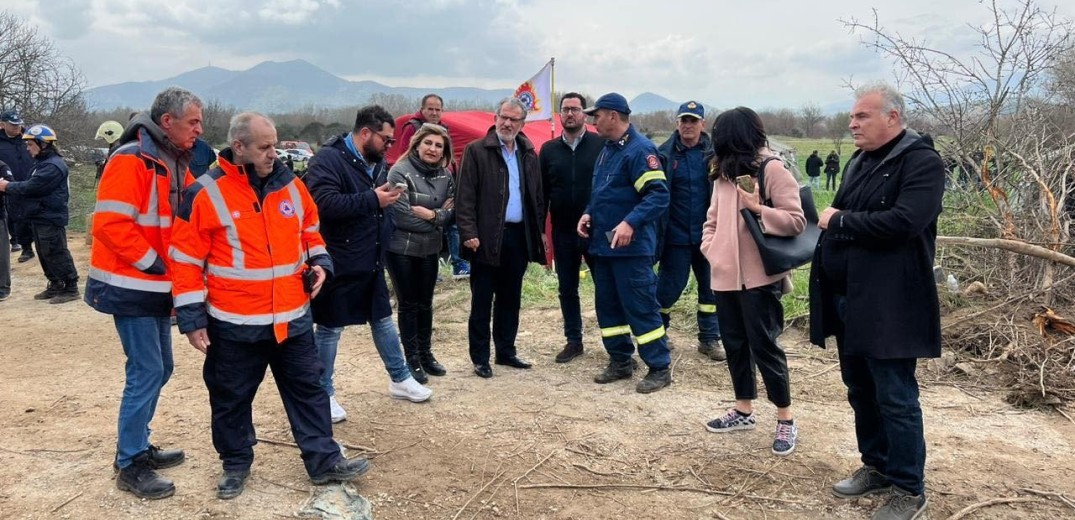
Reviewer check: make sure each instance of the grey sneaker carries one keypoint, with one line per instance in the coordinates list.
(712, 349)
(730, 422)
(864, 481)
(784, 442)
(902, 506)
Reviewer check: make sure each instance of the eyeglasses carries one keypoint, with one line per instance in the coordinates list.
(570, 110)
(388, 140)
(515, 120)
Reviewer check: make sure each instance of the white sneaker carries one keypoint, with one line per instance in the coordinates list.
(410, 390)
(335, 410)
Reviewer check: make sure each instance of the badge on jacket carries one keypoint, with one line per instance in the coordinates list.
(286, 209)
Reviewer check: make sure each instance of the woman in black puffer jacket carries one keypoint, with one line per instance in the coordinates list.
(420, 216)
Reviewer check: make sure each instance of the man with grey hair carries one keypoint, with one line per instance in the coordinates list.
(248, 257)
(501, 218)
(871, 286)
(129, 279)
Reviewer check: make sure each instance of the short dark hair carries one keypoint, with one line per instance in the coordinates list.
(373, 117)
(427, 97)
(575, 95)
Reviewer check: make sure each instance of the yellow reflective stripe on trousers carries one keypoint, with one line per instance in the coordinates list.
(652, 175)
(709, 308)
(652, 335)
(609, 332)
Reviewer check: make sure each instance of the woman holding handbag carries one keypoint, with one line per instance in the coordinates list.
(748, 300)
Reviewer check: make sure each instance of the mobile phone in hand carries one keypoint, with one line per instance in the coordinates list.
(309, 278)
(609, 235)
(401, 186)
(745, 182)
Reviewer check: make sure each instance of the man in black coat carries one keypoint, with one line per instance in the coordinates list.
(871, 285)
(566, 179)
(813, 170)
(501, 219)
(13, 151)
(346, 178)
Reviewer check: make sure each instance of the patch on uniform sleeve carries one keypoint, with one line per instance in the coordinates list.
(652, 162)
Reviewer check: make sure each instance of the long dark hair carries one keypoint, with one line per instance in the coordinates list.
(737, 136)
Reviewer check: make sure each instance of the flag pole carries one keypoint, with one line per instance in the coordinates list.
(555, 107)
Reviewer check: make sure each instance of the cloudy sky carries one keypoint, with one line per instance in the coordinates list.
(767, 53)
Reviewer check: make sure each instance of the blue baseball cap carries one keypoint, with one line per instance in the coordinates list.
(610, 101)
(11, 116)
(691, 109)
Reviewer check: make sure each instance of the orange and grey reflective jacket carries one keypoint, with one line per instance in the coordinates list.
(240, 245)
(132, 223)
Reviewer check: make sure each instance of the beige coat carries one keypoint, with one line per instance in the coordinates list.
(734, 261)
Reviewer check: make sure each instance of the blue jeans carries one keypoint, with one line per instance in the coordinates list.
(888, 416)
(815, 183)
(147, 343)
(453, 245)
(385, 338)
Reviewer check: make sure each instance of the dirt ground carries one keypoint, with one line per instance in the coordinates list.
(543, 443)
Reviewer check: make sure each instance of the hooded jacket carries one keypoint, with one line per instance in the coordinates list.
(878, 252)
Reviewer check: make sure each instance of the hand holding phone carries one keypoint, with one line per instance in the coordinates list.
(401, 186)
(746, 183)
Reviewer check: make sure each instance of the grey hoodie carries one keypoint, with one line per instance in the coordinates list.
(175, 159)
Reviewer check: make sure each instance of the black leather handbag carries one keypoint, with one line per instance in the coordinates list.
(780, 254)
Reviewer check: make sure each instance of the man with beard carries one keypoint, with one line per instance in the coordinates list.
(501, 218)
(566, 177)
(347, 181)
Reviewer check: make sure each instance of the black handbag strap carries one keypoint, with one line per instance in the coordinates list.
(761, 181)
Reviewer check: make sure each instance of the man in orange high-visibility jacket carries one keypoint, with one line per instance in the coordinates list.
(129, 276)
(244, 237)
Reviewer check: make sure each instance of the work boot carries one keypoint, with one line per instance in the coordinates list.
(345, 470)
(654, 380)
(864, 481)
(429, 363)
(69, 293)
(160, 459)
(712, 349)
(902, 505)
(572, 350)
(231, 483)
(26, 256)
(615, 371)
(51, 291)
(141, 480)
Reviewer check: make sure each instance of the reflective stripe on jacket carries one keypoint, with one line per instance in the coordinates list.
(239, 257)
(132, 227)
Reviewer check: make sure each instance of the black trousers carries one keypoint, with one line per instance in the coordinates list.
(233, 371)
(504, 284)
(569, 251)
(52, 252)
(413, 279)
(750, 322)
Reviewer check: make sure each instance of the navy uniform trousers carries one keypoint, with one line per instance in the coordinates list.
(626, 294)
(233, 371)
(675, 268)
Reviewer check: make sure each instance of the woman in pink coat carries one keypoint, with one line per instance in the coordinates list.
(748, 300)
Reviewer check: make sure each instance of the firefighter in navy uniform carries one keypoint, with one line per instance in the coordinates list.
(685, 156)
(629, 198)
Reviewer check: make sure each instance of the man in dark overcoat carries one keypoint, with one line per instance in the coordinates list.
(871, 286)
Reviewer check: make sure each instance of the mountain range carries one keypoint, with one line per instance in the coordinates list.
(282, 87)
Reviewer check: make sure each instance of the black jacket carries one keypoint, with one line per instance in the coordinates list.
(5, 173)
(482, 198)
(43, 196)
(356, 233)
(567, 178)
(813, 165)
(885, 233)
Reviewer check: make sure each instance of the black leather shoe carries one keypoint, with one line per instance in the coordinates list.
(231, 483)
(142, 481)
(571, 351)
(483, 370)
(345, 470)
(160, 459)
(513, 362)
(430, 364)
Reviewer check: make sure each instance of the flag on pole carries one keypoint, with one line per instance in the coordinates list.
(536, 94)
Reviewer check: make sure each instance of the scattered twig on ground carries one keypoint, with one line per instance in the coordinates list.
(827, 369)
(368, 450)
(419, 502)
(65, 502)
(700, 479)
(966, 511)
(644, 487)
(749, 483)
(515, 482)
(56, 402)
(396, 424)
(595, 472)
(672, 368)
(1059, 496)
(1066, 416)
(285, 486)
(386, 452)
(496, 476)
